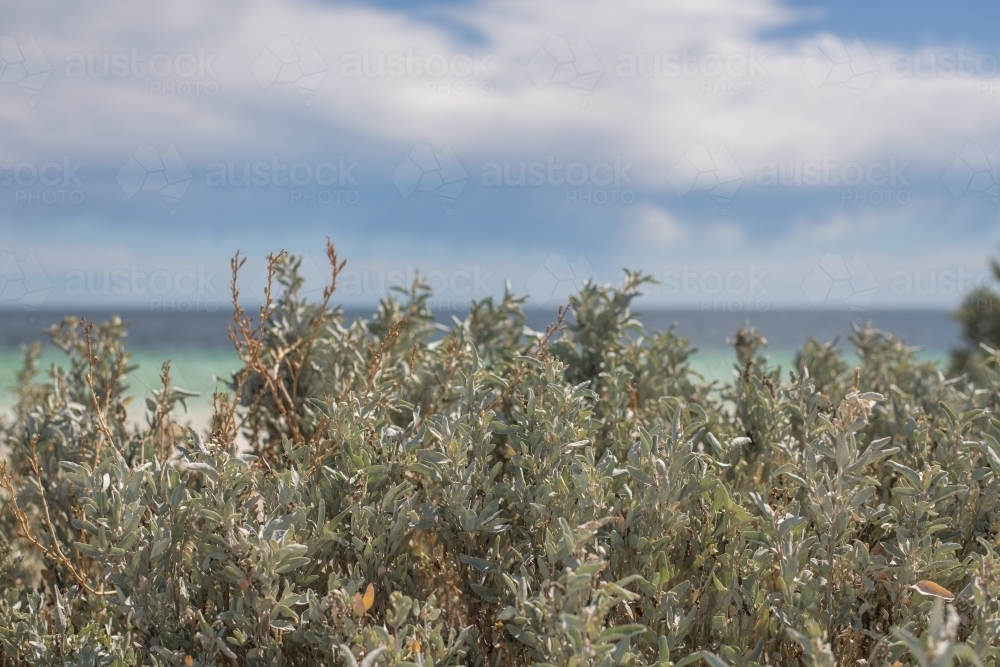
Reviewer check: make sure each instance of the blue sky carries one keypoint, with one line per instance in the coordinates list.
(912, 23)
(752, 154)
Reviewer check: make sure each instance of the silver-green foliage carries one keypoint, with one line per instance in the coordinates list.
(394, 492)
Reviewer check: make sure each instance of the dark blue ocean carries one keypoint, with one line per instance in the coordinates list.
(932, 330)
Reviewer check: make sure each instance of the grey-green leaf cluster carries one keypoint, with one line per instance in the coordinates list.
(392, 491)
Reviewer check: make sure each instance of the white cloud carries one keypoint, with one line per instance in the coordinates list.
(650, 121)
(655, 226)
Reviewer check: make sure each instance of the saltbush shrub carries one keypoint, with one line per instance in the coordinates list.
(396, 492)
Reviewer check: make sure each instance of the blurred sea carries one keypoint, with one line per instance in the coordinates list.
(202, 358)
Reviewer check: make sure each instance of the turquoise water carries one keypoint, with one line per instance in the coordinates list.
(204, 371)
(205, 353)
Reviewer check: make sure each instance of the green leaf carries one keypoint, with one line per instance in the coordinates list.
(88, 549)
(432, 456)
(913, 644)
(292, 563)
(203, 468)
(615, 633)
(426, 470)
(911, 475)
(479, 564)
(861, 497)
(159, 547)
(322, 406)
(710, 658)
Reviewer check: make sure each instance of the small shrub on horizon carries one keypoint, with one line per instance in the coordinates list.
(979, 315)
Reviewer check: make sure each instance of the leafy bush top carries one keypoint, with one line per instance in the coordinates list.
(394, 492)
